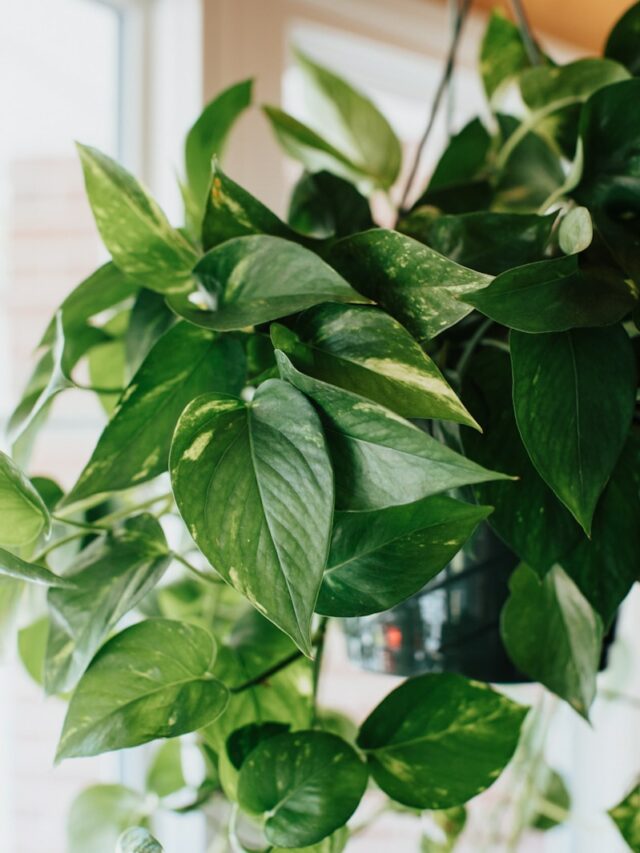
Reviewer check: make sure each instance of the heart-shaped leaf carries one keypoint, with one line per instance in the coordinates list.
(486, 241)
(134, 229)
(109, 577)
(242, 290)
(363, 349)
(527, 515)
(255, 488)
(626, 816)
(323, 205)
(352, 123)
(23, 514)
(14, 567)
(99, 814)
(312, 773)
(415, 284)
(231, 212)
(573, 395)
(380, 459)
(207, 137)
(610, 182)
(556, 295)
(134, 447)
(606, 567)
(438, 740)
(379, 558)
(553, 635)
(502, 54)
(153, 680)
(622, 43)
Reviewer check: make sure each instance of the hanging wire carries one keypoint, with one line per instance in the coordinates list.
(461, 15)
(528, 39)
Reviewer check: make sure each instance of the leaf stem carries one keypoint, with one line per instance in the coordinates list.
(216, 580)
(316, 640)
(58, 543)
(83, 525)
(471, 345)
(98, 389)
(317, 662)
(437, 99)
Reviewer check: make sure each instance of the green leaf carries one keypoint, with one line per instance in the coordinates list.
(486, 241)
(623, 43)
(527, 515)
(134, 229)
(150, 318)
(99, 814)
(165, 776)
(438, 740)
(134, 447)
(334, 843)
(323, 205)
(136, 839)
(241, 290)
(529, 170)
(233, 212)
(553, 635)
(14, 567)
(574, 394)
(458, 182)
(23, 514)
(208, 137)
(253, 646)
(109, 577)
(379, 558)
(502, 54)
(610, 183)
(419, 287)
(244, 740)
(606, 567)
(153, 680)
(103, 289)
(351, 122)
(380, 459)
(302, 143)
(32, 645)
(547, 88)
(51, 376)
(626, 816)
(363, 349)
(556, 295)
(576, 231)
(555, 793)
(267, 466)
(311, 773)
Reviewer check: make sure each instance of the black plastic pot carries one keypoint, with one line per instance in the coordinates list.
(451, 625)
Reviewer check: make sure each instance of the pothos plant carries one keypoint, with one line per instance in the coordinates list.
(308, 419)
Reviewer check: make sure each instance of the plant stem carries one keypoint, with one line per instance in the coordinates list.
(203, 576)
(530, 44)
(471, 346)
(317, 662)
(83, 525)
(317, 640)
(268, 673)
(58, 543)
(127, 511)
(437, 99)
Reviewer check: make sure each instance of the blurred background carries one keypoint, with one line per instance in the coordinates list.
(129, 77)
